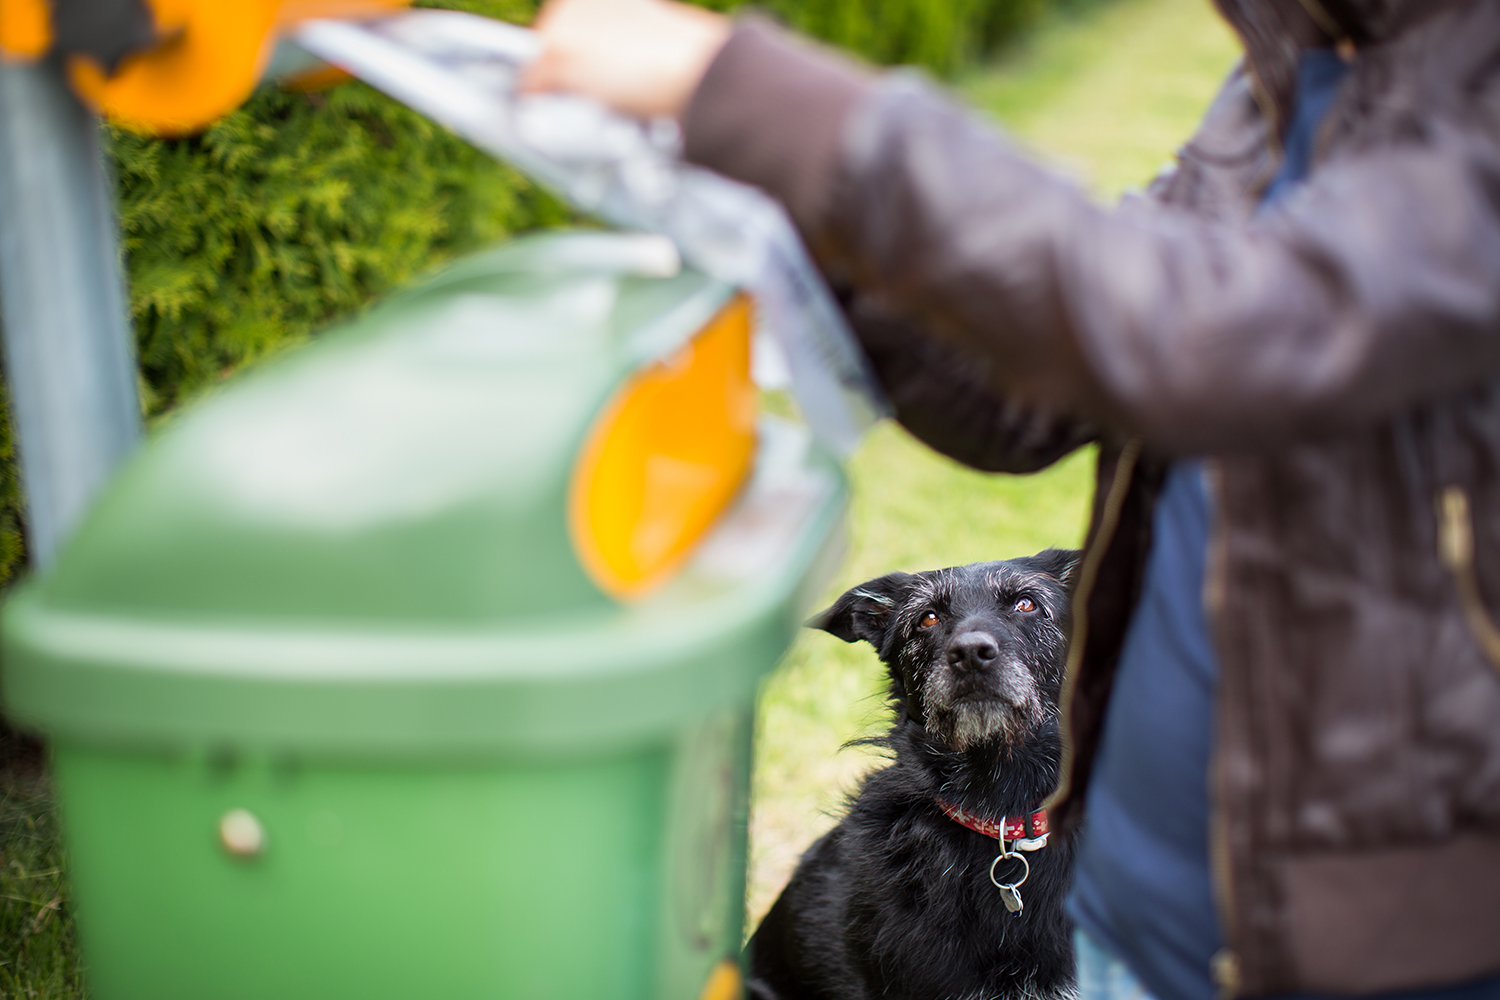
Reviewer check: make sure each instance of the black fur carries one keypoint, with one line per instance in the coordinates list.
(896, 900)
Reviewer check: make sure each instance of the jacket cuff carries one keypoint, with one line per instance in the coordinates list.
(770, 111)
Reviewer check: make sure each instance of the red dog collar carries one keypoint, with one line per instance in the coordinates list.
(1031, 830)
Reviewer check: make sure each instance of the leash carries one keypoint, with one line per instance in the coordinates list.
(1015, 833)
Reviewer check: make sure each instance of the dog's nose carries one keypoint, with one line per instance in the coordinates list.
(972, 650)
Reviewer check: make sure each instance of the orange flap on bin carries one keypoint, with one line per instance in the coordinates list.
(665, 456)
(210, 57)
(25, 29)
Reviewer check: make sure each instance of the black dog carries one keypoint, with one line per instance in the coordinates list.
(897, 900)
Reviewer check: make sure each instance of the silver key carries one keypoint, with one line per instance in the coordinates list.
(1011, 898)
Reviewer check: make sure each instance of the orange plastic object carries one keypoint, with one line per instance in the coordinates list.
(317, 80)
(724, 982)
(211, 57)
(664, 458)
(25, 29)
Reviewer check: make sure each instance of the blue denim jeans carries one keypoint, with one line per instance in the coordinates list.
(1101, 976)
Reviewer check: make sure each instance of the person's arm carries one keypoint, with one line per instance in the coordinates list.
(938, 395)
(1373, 288)
(945, 400)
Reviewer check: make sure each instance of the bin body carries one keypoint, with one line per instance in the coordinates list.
(617, 877)
(342, 596)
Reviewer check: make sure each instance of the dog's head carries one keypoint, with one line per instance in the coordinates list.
(976, 653)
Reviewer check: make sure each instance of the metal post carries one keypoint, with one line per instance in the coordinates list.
(69, 362)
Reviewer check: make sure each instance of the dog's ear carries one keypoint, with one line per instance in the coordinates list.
(864, 612)
(1060, 563)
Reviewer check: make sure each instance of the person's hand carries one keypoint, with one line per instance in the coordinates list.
(640, 57)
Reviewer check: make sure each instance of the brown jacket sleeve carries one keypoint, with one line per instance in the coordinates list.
(1372, 288)
(802, 95)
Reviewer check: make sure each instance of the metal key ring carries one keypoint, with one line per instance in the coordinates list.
(1025, 874)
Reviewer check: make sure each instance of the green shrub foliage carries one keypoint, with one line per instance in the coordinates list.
(301, 207)
(295, 209)
(939, 35)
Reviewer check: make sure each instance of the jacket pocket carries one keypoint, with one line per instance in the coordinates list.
(1456, 550)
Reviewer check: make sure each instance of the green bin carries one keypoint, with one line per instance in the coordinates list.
(338, 705)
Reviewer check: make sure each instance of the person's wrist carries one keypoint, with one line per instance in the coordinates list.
(641, 57)
(700, 35)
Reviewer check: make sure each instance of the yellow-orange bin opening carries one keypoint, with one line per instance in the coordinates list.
(664, 457)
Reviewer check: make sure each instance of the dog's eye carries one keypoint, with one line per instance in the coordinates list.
(1025, 605)
(927, 620)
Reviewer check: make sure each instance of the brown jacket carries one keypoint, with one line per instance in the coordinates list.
(1337, 356)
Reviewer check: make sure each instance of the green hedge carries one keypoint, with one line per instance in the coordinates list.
(299, 207)
(939, 35)
(294, 210)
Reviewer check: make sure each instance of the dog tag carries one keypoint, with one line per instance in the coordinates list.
(1010, 891)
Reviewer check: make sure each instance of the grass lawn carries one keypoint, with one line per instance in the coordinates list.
(38, 956)
(1106, 93)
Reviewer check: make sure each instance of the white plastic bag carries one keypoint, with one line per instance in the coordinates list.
(461, 70)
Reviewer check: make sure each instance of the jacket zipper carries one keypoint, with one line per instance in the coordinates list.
(1456, 550)
(1109, 520)
(1226, 964)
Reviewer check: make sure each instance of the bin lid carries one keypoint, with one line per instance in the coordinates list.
(364, 546)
